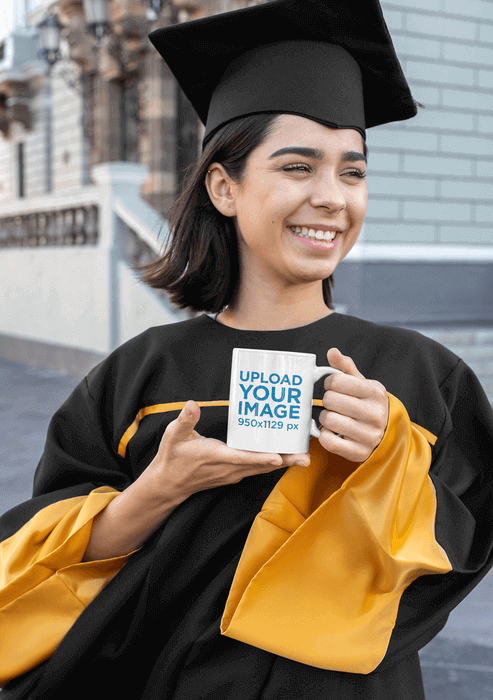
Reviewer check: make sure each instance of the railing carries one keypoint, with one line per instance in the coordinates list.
(137, 251)
(78, 225)
(97, 235)
(132, 248)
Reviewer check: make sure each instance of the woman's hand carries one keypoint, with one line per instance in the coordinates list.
(187, 462)
(355, 407)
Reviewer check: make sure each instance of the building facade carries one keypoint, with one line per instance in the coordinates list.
(113, 102)
(426, 252)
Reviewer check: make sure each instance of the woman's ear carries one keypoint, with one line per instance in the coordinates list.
(221, 189)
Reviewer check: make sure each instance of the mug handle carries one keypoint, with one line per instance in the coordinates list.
(319, 373)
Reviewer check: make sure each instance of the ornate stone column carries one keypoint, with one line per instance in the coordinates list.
(111, 78)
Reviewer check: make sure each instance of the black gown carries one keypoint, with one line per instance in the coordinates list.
(153, 630)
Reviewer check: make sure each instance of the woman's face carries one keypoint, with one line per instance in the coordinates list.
(303, 176)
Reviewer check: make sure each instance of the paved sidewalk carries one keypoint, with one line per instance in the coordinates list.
(457, 664)
(28, 398)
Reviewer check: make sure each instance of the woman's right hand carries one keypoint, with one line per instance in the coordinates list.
(186, 462)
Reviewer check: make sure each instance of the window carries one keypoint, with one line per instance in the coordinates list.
(130, 120)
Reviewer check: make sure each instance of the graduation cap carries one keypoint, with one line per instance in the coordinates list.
(332, 61)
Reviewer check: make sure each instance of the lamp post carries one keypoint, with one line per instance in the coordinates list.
(186, 127)
(155, 7)
(96, 13)
(49, 34)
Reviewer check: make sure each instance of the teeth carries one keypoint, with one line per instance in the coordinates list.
(311, 233)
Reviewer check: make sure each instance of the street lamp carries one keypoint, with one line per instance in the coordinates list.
(155, 7)
(97, 17)
(49, 34)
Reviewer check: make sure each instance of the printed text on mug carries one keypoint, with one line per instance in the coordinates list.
(273, 396)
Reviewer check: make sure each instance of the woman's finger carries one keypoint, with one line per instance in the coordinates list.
(343, 446)
(356, 408)
(343, 362)
(343, 425)
(290, 460)
(181, 434)
(368, 435)
(245, 458)
(183, 426)
(345, 405)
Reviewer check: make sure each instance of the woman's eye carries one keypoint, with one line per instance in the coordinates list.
(360, 174)
(300, 167)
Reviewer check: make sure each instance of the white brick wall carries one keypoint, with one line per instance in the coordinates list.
(436, 165)
(422, 4)
(425, 24)
(481, 146)
(458, 233)
(436, 170)
(485, 168)
(480, 9)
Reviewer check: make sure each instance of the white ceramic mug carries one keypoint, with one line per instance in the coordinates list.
(270, 400)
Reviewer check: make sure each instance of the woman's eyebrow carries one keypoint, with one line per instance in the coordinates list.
(351, 156)
(299, 151)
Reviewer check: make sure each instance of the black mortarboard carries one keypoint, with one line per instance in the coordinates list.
(329, 60)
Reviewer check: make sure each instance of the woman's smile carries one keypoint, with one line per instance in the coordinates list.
(315, 237)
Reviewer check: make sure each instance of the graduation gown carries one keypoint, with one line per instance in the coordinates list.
(304, 583)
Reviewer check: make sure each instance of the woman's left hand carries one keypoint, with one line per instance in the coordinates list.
(355, 407)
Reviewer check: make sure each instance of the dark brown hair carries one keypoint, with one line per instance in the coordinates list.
(199, 268)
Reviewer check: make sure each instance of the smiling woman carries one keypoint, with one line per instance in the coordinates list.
(232, 230)
(281, 270)
(155, 561)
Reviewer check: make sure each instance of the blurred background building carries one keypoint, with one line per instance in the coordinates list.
(95, 137)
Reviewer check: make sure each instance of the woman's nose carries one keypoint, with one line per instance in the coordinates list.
(328, 193)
